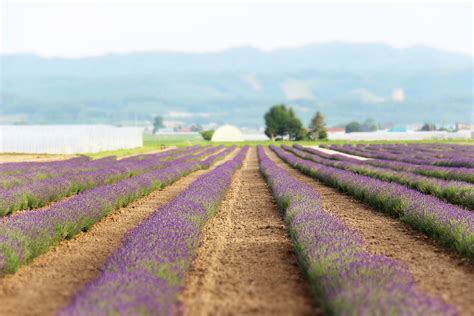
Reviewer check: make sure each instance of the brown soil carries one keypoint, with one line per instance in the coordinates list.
(49, 282)
(438, 271)
(333, 152)
(32, 157)
(246, 263)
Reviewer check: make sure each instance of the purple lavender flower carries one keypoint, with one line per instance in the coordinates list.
(448, 223)
(26, 235)
(145, 275)
(456, 192)
(347, 279)
(434, 154)
(447, 173)
(40, 193)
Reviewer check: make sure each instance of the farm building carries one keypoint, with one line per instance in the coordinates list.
(227, 133)
(68, 139)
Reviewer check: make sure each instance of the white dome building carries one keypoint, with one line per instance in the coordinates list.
(227, 133)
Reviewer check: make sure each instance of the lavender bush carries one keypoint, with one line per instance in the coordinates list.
(40, 193)
(461, 156)
(18, 168)
(448, 223)
(17, 177)
(347, 279)
(456, 192)
(26, 235)
(145, 275)
(20, 173)
(447, 173)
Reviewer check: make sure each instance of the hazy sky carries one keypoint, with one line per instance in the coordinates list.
(90, 28)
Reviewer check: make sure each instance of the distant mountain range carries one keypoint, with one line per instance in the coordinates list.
(345, 81)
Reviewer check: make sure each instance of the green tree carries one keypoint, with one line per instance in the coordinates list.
(157, 123)
(353, 126)
(317, 127)
(281, 121)
(207, 135)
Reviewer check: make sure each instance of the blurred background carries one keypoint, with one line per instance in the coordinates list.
(185, 67)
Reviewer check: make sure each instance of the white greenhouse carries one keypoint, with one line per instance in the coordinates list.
(227, 133)
(68, 139)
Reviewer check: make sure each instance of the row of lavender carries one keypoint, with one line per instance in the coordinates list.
(422, 150)
(18, 168)
(432, 150)
(447, 173)
(39, 193)
(21, 173)
(145, 275)
(26, 235)
(455, 159)
(347, 279)
(456, 192)
(448, 223)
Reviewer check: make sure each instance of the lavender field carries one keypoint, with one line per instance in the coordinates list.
(254, 158)
(204, 230)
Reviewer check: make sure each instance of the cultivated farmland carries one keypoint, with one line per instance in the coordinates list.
(216, 230)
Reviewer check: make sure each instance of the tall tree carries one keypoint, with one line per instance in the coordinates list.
(317, 127)
(157, 123)
(281, 121)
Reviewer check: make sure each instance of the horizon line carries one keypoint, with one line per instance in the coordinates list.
(236, 47)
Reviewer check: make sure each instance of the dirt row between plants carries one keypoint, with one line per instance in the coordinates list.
(335, 152)
(12, 157)
(50, 281)
(246, 262)
(437, 270)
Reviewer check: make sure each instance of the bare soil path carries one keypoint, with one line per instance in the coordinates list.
(333, 152)
(246, 263)
(437, 270)
(12, 157)
(49, 282)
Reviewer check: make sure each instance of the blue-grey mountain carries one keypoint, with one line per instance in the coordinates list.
(344, 81)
